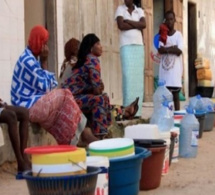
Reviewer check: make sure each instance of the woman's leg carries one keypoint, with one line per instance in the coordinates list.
(176, 100)
(23, 118)
(9, 117)
(99, 106)
(58, 113)
(175, 93)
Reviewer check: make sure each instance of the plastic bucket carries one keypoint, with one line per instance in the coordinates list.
(73, 185)
(209, 121)
(125, 173)
(201, 119)
(59, 160)
(152, 166)
(102, 181)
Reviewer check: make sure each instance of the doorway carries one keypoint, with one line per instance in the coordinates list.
(192, 48)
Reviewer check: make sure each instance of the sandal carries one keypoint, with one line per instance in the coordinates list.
(131, 115)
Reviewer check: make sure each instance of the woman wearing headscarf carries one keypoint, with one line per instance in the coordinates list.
(70, 52)
(33, 87)
(131, 22)
(87, 87)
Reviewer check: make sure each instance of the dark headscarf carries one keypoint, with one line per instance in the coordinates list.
(38, 37)
(85, 48)
(71, 48)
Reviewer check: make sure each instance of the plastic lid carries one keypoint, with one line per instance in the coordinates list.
(165, 103)
(198, 97)
(189, 110)
(150, 143)
(50, 149)
(161, 83)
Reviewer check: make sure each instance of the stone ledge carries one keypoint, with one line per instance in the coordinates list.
(37, 137)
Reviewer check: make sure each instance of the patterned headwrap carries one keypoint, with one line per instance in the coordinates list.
(38, 37)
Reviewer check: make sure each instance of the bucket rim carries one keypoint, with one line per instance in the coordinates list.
(145, 153)
(94, 171)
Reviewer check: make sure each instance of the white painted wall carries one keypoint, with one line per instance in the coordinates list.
(60, 34)
(11, 41)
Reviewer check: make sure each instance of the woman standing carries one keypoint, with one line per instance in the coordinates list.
(131, 22)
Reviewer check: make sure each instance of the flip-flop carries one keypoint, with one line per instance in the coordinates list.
(19, 176)
(131, 115)
(135, 102)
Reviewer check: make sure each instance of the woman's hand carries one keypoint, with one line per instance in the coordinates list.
(44, 57)
(2, 103)
(99, 90)
(102, 87)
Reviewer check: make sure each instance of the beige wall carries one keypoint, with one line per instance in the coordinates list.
(205, 33)
(11, 41)
(34, 15)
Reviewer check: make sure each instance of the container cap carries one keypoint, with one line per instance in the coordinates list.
(154, 143)
(198, 97)
(161, 82)
(189, 110)
(50, 149)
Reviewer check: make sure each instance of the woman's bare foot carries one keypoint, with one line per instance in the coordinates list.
(23, 166)
(86, 137)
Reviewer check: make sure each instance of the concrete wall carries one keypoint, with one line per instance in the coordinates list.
(205, 33)
(60, 33)
(34, 14)
(16, 20)
(12, 41)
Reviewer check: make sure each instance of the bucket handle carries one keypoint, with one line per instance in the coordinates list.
(145, 154)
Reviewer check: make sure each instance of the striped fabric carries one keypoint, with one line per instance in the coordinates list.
(132, 60)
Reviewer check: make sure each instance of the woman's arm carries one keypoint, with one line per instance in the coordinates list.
(137, 24)
(95, 77)
(122, 25)
(170, 50)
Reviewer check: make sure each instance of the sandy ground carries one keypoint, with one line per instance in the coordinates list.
(188, 176)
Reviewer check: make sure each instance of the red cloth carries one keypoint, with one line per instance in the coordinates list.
(58, 113)
(163, 31)
(38, 37)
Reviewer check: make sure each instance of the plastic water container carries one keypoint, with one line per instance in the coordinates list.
(142, 131)
(161, 94)
(197, 104)
(188, 139)
(102, 181)
(163, 117)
